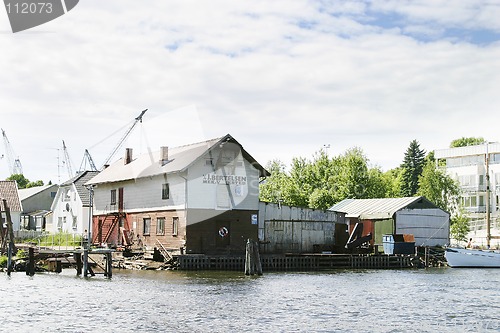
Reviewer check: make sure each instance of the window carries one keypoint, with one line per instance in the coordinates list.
(25, 222)
(165, 191)
(146, 226)
(175, 226)
(160, 226)
(113, 197)
(59, 223)
(66, 195)
(75, 222)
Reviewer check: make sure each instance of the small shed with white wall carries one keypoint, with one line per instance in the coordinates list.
(429, 224)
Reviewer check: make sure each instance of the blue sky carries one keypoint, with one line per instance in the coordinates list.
(283, 77)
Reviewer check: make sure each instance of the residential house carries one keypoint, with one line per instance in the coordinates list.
(71, 207)
(37, 202)
(477, 170)
(9, 192)
(201, 198)
(429, 224)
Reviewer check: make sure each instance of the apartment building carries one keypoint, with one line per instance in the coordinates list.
(477, 169)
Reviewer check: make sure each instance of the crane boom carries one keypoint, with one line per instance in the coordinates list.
(124, 137)
(15, 166)
(67, 160)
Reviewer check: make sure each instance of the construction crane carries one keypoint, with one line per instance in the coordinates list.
(67, 160)
(15, 166)
(88, 158)
(124, 137)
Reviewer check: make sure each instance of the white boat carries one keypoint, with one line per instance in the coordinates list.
(458, 257)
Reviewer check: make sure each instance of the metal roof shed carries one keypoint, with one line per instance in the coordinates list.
(429, 224)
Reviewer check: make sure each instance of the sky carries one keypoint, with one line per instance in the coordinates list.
(286, 78)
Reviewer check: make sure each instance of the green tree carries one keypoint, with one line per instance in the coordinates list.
(439, 188)
(20, 180)
(463, 142)
(459, 227)
(271, 188)
(23, 182)
(323, 181)
(412, 165)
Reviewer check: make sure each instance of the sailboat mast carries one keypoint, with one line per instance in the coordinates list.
(488, 222)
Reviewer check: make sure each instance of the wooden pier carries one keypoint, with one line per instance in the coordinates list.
(81, 259)
(298, 262)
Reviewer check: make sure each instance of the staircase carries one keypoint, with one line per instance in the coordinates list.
(164, 252)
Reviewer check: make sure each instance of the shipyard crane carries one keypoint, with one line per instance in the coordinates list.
(124, 137)
(88, 158)
(15, 166)
(67, 160)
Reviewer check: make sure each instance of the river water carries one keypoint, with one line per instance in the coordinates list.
(426, 300)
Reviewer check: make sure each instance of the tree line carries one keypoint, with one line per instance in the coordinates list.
(323, 181)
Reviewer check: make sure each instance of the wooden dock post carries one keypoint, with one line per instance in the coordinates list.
(9, 258)
(30, 269)
(252, 259)
(109, 265)
(79, 264)
(85, 262)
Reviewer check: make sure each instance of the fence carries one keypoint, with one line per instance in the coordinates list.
(21, 235)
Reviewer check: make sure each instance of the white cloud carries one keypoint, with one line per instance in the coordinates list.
(283, 77)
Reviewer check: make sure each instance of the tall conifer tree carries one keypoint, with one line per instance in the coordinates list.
(413, 165)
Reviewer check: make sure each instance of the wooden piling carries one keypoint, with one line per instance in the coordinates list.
(9, 258)
(85, 262)
(79, 264)
(30, 269)
(252, 259)
(109, 266)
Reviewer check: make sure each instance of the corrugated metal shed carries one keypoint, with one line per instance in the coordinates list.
(377, 209)
(9, 192)
(180, 159)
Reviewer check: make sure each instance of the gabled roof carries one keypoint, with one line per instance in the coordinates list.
(79, 181)
(9, 192)
(180, 159)
(379, 209)
(26, 193)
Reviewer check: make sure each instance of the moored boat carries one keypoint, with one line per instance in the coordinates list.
(457, 257)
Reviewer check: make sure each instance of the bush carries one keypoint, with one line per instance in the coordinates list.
(21, 254)
(3, 261)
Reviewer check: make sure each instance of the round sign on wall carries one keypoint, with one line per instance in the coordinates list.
(223, 232)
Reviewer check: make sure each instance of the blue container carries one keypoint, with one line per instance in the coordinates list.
(395, 244)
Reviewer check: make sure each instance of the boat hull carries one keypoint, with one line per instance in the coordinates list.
(472, 258)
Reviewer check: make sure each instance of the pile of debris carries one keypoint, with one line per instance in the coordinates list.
(143, 261)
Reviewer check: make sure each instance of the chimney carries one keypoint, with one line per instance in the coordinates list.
(163, 155)
(128, 156)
